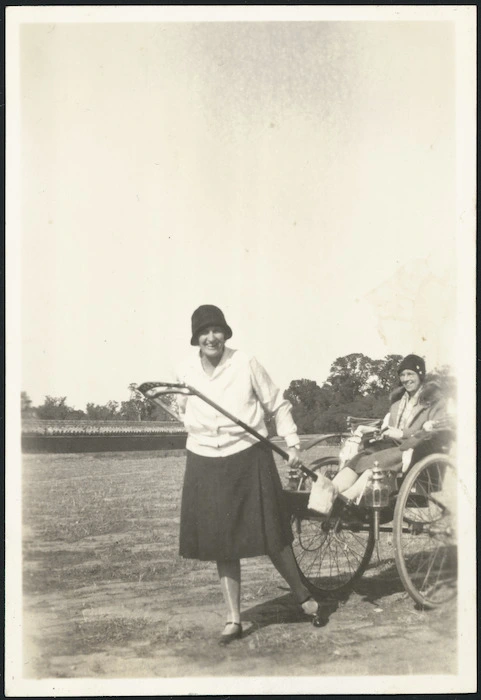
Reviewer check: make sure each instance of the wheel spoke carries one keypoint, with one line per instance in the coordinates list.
(425, 547)
(329, 555)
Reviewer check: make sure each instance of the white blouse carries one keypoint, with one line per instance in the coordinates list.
(240, 385)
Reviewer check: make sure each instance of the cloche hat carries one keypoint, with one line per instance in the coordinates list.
(414, 363)
(208, 315)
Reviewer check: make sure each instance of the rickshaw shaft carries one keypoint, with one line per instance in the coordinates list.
(180, 388)
(250, 430)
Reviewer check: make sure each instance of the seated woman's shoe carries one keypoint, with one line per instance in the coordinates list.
(344, 508)
(322, 495)
(225, 639)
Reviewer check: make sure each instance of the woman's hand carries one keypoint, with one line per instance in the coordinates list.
(394, 433)
(294, 457)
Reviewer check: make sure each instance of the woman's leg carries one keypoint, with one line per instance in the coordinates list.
(358, 487)
(344, 479)
(387, 459)
(285, 564)
(230, 578)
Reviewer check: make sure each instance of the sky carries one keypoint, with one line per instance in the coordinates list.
(300, 175)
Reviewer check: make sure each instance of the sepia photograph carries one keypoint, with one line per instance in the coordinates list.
(240, 322)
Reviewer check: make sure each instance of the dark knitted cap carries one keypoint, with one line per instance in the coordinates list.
(208, 315)
(414, 363)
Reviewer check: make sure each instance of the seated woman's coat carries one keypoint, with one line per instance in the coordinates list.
(430, 407)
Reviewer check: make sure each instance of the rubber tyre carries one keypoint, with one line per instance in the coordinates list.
(426, 554)
(327, 466)
(331, 561)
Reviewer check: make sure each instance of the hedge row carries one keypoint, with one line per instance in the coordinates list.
(101, 443)
(101, 430)
(58, 427)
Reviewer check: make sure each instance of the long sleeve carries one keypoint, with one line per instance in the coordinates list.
(244, 389)
(274, 403)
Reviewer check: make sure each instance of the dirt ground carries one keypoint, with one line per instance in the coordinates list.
(106, 596)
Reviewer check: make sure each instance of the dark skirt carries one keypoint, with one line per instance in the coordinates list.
(388, 459)
(233, 507)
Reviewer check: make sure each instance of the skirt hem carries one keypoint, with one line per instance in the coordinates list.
(233, 507)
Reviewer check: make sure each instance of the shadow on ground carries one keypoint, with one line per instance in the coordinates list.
(380, 585)
(388, 581)
(284, 610)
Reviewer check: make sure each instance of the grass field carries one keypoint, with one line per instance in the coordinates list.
(106, 595)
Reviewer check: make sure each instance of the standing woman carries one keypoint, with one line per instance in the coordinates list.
(232, 499)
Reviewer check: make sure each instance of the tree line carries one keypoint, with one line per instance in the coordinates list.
(356, 386)
(136, 408)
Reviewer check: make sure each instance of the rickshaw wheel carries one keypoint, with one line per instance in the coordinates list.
(327, 466)
(424, 531)
(331, 555)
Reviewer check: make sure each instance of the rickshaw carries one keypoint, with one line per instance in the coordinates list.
(418, 507)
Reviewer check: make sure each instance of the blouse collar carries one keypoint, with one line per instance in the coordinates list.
(225, 361)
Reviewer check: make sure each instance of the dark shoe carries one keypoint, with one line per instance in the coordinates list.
(355, 516)
(347, 511)
(225, 639)
(315, 614)
(340, 506)
(319, 621)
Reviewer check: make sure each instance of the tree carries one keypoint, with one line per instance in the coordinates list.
(55, 407)
(140, 408)
(135, 408)
(308, 402)
(349, 376)
(384, 375)
(108, 412)
(303, 391)
(357, 375)
(156, 412)
(356, 385)
(26, 408)
(359, 386)
(129, 411)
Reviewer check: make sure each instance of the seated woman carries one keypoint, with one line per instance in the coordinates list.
(415, 405)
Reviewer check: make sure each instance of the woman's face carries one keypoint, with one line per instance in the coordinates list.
(212, 342)
(410, 380)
